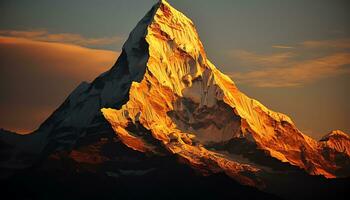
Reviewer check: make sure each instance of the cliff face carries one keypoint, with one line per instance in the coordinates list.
(187, 107)
(337, 141)
(335, 148)
(163, 97)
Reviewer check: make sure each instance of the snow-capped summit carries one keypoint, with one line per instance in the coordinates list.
(196, 112)
(164, 97)
(338, 141)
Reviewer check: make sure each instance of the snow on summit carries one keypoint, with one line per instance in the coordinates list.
(188, 105)
(163, 97)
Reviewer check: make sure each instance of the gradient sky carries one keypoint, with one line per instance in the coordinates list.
(293, 56)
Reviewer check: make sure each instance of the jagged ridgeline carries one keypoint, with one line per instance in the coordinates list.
(198, 113)
(164, 98)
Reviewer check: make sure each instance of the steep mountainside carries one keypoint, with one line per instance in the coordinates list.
(187, 105)
(165, 102)
(338, 141)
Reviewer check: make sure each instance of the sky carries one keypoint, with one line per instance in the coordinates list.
(292, 56)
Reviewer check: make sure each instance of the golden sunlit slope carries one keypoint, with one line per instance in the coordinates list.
(337, 141)
(188, 106)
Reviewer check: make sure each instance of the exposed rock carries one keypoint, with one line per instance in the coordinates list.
(187, 104)
(338, 141)
(164, 99)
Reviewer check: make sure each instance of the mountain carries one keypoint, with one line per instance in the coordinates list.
(165, 104)
(338, 141)
(194, 110)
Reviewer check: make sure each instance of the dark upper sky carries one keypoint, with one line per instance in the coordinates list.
(293, 56)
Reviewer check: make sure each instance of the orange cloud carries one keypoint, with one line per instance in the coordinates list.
(282, 47)
(68, 59)
(45, 36)
(37, 76)
(294, 73)
(343, 43)
(295, 66)
(246, 57)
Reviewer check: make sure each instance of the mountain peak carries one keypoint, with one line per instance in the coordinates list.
(164, 97)
(172, 38)
(335, 133)
(188, 106)
(162, 22)
(337, 140)
(164, 2)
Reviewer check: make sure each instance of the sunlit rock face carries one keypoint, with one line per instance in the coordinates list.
(182, 104)
(336, 149)
(338, 141)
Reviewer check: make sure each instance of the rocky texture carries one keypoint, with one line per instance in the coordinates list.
(164, 100)
(337, 141)
(186, 104)
(79, 116)
(335, 148)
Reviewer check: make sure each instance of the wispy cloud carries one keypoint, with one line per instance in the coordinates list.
(46, 72)
(282, 47)
(343, 43)
(296, 73)
(71, 38)
(70, 59)
(292, 68)
(251, 58)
